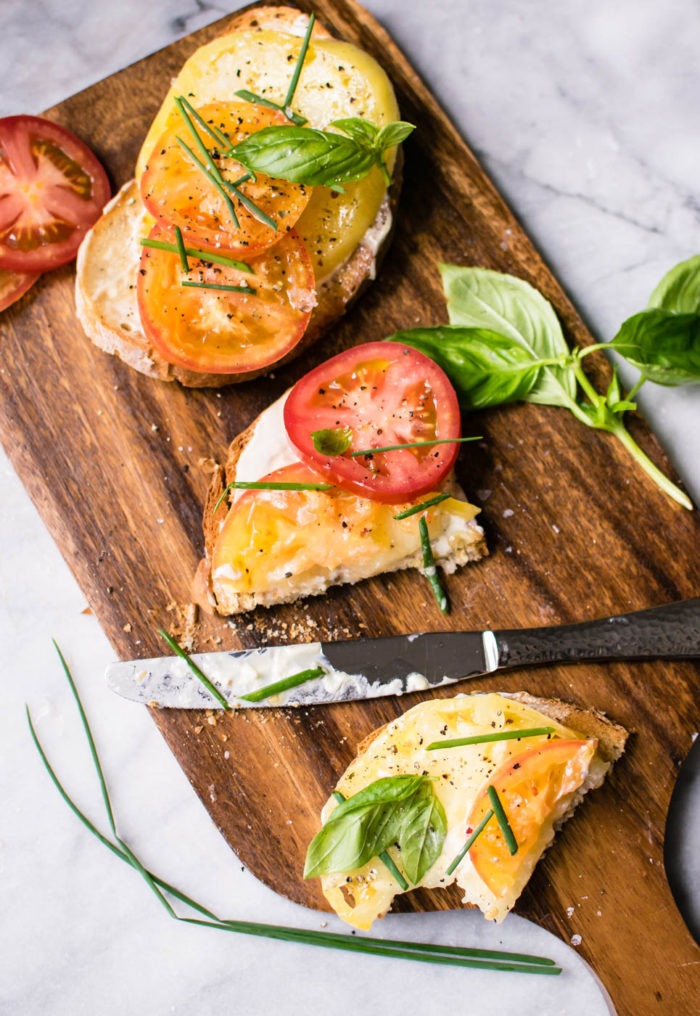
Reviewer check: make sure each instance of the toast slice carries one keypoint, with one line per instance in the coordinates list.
(108, 258)
(460, 540)
(460, 775)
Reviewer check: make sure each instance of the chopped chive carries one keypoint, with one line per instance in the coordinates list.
(415, 444)
(385, 857)
(256, 212)
(500, 735)
(219, 285)
(422, 506)
(503, 822)
(430, 568)
(420, 952)
(211, 129)
(210, 176)
(212, 689)
(181, 249)
(286, 106)
(203, 255)
(287, 682)
(263, 485)
(467, 846)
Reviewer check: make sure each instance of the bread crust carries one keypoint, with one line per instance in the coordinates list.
(334, 295)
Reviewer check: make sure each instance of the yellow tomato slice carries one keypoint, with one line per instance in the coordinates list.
(175, 190)
(281, 540)
(535, 789)
(219, 331)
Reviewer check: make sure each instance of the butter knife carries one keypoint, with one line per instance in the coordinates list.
(394, 665)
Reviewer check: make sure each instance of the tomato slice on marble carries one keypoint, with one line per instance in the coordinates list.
(52, 190)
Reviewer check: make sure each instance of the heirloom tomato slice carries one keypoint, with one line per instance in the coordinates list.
(13, 285)
(219, 331)
(535, 788)
(174, 189)
(386, 394)
(52, 190)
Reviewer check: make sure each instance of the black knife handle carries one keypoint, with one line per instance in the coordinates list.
(671, 631)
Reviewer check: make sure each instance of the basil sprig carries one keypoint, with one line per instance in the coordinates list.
(319, 158)
(401, 810)
(504, 343)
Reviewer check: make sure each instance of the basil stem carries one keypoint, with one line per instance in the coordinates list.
(430, 568)
(212, 689)
(467, 846)
(498, 735)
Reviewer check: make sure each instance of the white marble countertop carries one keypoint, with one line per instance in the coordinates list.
(586, 117)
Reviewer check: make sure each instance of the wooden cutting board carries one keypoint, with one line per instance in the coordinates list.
(116, 464)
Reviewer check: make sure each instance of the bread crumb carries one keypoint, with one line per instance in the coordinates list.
(576, 940)
(127, 627)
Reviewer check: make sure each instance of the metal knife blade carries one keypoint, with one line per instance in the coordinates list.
(354, 669)
(394, 665)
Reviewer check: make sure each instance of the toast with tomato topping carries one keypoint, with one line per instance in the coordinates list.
(321, 538)
(539, 779)
(344, 235)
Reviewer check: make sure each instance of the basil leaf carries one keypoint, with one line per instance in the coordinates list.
(361, 827)
(422, 833)
(480, 298)
(305, 155)
(357, 128)
(332, 442)
(393, 134)
(485, 368)
(679, 290)
(665, 346)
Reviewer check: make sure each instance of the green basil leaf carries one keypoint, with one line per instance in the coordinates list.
(422, 833)
(664, 345)
(480, 298)
(485, 368)
(679, 290)
(332, 442)
(305, 155)
(357, 128)
(361, 827)
(393, 134)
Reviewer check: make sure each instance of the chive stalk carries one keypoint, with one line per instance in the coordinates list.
(286, 106)
(430, 568)
(212, 689)
(263, 485)
(203, 255)
(218, 285)
(503, 822)
(180, 243)
(415, 444)
(423, 506)
(499, 735)
(470, 842)
(284, 685)
(214, 177)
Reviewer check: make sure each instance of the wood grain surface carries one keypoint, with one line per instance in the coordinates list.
(117, 465)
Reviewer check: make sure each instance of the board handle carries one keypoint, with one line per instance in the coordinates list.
(671, 631)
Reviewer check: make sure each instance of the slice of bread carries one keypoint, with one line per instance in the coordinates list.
(468, 544)
(362, 896)
(108, 258)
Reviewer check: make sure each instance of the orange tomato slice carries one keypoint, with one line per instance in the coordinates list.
(281, 540)
(535, 789)
(220, 331)
(176, 190)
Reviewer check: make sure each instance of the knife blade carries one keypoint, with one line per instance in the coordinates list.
(396, 664)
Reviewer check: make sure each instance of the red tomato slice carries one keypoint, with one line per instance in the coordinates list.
(535, 788)
(223, 332)
(176, 190)
(387, 394)
(52, 190)
(13, 285)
